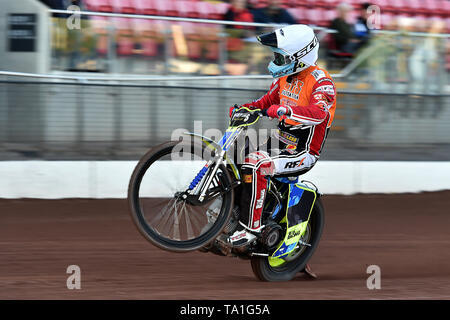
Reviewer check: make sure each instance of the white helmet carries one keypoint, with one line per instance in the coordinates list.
(295, 48)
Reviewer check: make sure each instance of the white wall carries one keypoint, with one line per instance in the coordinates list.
(109, 179)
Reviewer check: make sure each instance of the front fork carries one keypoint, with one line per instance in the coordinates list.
(199, 185)
(211, 176)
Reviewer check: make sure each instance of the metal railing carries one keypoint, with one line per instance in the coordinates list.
(75, 120)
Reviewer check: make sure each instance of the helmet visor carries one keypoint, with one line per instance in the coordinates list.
(280, 59)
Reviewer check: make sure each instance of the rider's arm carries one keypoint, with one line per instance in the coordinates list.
(322, 98)
(270, 98)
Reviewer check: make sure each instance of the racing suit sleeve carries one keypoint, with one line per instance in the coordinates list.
(322, 99)
(270, 98)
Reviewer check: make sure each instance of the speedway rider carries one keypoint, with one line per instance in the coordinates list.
(303, 98)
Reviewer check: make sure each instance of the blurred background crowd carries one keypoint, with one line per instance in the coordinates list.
(131, 45)
(124, 76)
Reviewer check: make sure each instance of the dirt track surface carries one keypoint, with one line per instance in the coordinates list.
(408, 236)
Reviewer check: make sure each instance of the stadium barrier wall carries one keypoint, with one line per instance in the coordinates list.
(109, 179)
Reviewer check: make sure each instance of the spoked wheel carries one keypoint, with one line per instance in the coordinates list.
(162, 209)
(274, 269)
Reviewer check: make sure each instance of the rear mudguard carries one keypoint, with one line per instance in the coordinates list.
(215, 146)
(301, 199)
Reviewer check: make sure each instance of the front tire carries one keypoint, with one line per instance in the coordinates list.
(191, 227)
(262, 267)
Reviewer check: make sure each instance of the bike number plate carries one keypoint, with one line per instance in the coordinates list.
(300, 203)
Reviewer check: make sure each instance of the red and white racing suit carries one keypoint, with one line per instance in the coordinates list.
(310, 97)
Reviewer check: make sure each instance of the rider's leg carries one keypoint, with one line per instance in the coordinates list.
(291, 164)
(258, 165)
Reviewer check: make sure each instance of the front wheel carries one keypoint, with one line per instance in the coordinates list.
(268, 269)
(161, 206)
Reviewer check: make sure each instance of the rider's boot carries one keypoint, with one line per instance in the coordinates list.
(241, 237)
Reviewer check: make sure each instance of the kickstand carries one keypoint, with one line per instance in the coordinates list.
(308, 272)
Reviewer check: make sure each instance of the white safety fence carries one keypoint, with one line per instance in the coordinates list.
(109, 179)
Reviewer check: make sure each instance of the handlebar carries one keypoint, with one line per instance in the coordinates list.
(263, 113)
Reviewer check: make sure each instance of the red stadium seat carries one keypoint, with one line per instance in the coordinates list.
(299, 4)
(209, 32)
(166, 8)
(192, 38)
(212, 50)
(331, 4)
(329, 15)
(386, 6)
(146, 7)
(316, 17)
(123, 6)
(431, 7)
(187, 9)
(99, 5)
(148, 36)
(124, 36)
(207, 10)
(299, 14)
(149, 48)
(399, 7)
(446, 4)
(416, 7)
(125, 46)
(100, 27)
(356, 4)
(314, 4)
(438, 8)
(222, 8)
(285, 4)
(442, 8)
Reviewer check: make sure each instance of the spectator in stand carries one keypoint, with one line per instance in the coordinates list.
(273, 13)
(238, 11)
(344, 38)
(362, 30)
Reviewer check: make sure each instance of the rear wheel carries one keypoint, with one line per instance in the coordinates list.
(162, 209)
(270, 269)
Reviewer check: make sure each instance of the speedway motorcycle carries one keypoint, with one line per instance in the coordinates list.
(182, 193)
